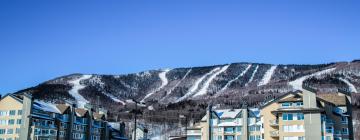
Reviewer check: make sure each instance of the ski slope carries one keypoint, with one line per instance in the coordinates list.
(349, 84)
(253, 75)
(297, 84)
(81, 101)
(204, 89)
(267, 77)
(164, 82)
(196, 84)
(236, 78)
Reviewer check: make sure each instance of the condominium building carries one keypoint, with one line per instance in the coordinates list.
(296, 115)
(23, 118)
(306, 115)
(227, 124)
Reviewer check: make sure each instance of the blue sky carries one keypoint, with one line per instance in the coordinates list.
(41, 39)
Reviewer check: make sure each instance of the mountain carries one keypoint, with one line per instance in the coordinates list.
(170, 92)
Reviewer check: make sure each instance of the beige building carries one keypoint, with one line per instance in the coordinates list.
(227, 124)
(296, 115)
(22, 118)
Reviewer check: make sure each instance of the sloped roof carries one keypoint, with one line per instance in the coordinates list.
(228, 113)
(291, 99)
(62, 108)
(80, 112)
(98, 116)
(334, 99)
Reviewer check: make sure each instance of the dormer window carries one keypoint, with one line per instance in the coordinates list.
(298, 104)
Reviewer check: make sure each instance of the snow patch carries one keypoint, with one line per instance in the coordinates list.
(164, 82)
(297, 84)
(114, 98)
(350, 85)
(267, 77)
(253, 75)
(45, 106)
(196, 85)
(236, 78)
(204, 89)
(81, 101)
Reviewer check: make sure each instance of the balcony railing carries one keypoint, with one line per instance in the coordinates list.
(274, 133)
(274, 122)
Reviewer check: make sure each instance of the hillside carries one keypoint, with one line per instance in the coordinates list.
(170, 92)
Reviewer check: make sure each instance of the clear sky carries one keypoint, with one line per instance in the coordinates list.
(44, 39)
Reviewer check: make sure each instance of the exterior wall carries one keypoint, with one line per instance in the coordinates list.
(7, 104)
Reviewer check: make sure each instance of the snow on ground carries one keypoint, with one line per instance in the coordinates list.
(351, 86)
(297, 84)
(176, 85)
(81, 101)
(196, 84)
(206, 85)
(236, 78)
(252, 76)
(164, 82)
(267, 76)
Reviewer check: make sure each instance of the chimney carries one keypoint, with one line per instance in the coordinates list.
(26, 116)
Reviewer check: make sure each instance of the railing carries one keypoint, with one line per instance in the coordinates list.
(194, 132)
(274, 133)
(274, 122)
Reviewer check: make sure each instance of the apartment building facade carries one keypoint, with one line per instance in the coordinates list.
(227, 124)
(300, 115)
(22, 118)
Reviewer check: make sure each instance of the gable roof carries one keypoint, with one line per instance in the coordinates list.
(62, 108)
(98, 116)
(280, 97)
(80, 112)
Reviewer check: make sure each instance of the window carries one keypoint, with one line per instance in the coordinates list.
(12, 112)
(287, 104)
(229, 137)
(329, 129)
(2, 122)
(11, 122)
(238, 137)
(219, 137)
(345, 131)
(17, 131)
(3, 113)
(300, 116)
(344, 120)
(2, 131)
(287, 116)
(293, 128)
(229, 129)
(53, 132)
(19, 112)
(10, 131)
(18, 121)
(238, 129)
(299, 103)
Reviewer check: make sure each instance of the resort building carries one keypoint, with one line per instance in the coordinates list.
(300, 115)
(22, 118)
(227, 124)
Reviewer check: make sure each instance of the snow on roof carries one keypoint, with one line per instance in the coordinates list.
(49, 107)
(255, 111)
(228, 113)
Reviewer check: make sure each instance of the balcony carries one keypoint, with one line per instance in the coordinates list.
(274, 122)
(274, 133)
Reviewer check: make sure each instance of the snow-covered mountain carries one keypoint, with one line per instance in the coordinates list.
(176, 89)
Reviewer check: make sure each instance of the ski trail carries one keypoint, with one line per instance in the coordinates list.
(114, 98)
(164, 82)
(204, 90)
(252, 76)
(178, 83)
(349, 84)
(196, 84)
(297, 84)
(81, 101)
(236, 78)
(267, 77)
